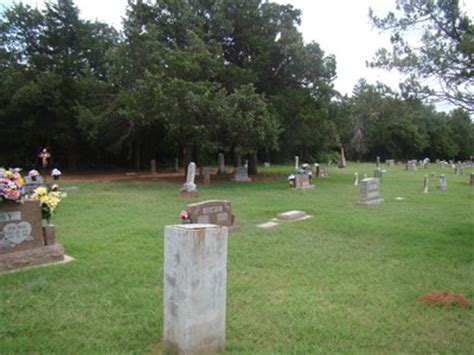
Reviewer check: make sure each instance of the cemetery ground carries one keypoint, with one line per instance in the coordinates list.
(345, 280)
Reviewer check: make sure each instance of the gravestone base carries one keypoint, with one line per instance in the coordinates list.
(442, 187)
(374, 202)
(188, 194)
(31, 257)
(241, 179)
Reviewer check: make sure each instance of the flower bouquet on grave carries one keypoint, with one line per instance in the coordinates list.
(49, 200)
(184, 217)
(11, 183)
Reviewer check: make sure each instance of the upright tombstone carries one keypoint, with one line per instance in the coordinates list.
(218, 212)
(471, 180)
(322, 171)
(153, 166)
(23, 240)
(189, 187)
(32, 183)
(411, 165)
(206, 174)
(221, 163)
(342, 162)
(425, 184)
(442, 184)
(194, 288)
(390, 162)
(355, 179)
(370, 192)
(378, 173)
(241, 174)
(377, 162)
(297, 162)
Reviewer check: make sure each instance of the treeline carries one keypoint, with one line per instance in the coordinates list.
(189, 79)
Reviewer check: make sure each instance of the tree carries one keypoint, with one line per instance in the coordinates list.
(444, 49)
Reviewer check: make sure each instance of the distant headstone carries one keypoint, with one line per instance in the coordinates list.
(153, 166)
(425, 184)
(221, 163)
(303, 181)
(217, 212)
(426, 163)
(378, 173)
(411, 165)
(297, 162)
(189, 187)
(194, 289)
(241, 174)
(23, 240)
(442, 184)
(266, 165)
(32, 183)
(370, 192)
(390, 162)
(355, 179)
(377, 162)
(322, 171)
(206, 174)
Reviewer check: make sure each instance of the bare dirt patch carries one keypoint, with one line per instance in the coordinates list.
(444, 298)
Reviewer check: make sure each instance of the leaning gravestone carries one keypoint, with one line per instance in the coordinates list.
(23, 240)
(442, 184)
(241, 174)
(189, 187)
(194, 289)
(218, 212)
(370, 192)
(355, 179)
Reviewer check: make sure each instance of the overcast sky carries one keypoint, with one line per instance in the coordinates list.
(341, 27)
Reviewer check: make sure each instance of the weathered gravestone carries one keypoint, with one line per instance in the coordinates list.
(194, 289)
(206, 175)
(153, 166)
(297, 162)
(342, 162)
(390, 162)
(355, 179)
(425, 184)
(217, 212)
(303, 180)
(411, 165)
(189, 187)
(321, 171)
(370, 192)
(221, 163)
(241, 174)
(378, 173)
(23, 240)
(442, 184)
(377, 162)
(32, 183)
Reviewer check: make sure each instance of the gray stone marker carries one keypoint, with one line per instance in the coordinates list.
(390, 162)
(471, 180)
(377, 162)
(189, 187)
(297, 162)
(322, 171)
(194, 292)
(32, 183)
(153, 166)
(303, 181)
(355, 179)
(411, 165)
(442, 184)
(24, 241)
(266, 164)
(221, 163)
(206, 174)
(425, 184)
(241, 174)
(378, 173)
(370, 192)
(218, 212)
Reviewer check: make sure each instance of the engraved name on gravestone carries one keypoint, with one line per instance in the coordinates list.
(20, 226)
(217, 212)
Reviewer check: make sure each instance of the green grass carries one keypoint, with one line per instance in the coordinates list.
(345, 280)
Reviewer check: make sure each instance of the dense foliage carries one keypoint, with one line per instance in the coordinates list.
(189, 79)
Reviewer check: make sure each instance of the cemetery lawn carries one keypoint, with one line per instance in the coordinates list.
(346, 280)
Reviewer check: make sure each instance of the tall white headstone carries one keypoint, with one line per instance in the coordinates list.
(194, 292)
(425, 184)
(189, 185)
(297, 162)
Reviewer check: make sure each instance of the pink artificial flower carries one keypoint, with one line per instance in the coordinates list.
(184, 214)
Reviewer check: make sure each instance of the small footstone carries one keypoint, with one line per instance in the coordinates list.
(267, 225)
(291, 215)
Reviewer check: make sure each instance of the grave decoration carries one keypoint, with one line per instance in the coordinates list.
(24, 240)
(301, 178)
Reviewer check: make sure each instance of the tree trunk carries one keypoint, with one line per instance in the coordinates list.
(252, 169)
(137, 156)
(238, 158)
